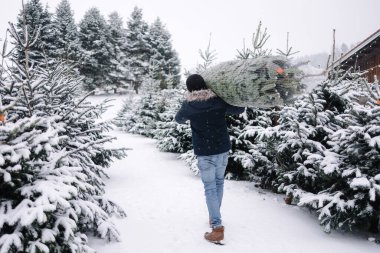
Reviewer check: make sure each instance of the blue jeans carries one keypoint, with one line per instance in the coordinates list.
(212, 170)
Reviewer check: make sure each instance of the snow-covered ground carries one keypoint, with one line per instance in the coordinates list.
(167, 213)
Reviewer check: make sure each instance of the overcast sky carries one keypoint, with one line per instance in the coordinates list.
(309, 22)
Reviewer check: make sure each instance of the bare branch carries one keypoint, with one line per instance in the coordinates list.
(288, 51)
(244, 53)
(259, 39)
(208, 57)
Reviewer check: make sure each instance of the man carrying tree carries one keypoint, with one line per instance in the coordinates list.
(211, 142)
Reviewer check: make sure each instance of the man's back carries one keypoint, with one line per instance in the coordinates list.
(206, 113)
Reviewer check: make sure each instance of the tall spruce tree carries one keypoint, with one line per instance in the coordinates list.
(34, 18)
(119, 72)
(138, 48)
(66, 36)
(95, 60)
(164, 62)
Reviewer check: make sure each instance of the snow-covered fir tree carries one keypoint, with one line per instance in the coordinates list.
(303, 132)
(95, 59)
(126, 112)
(34, 18)
(251, 158)
(146, 114)
(52, 160)
(153, 114)
(66, 36)
(351, 174)
(326, 153)
(301, 141)
(164, 62)
(137, 47)
(172, 137)
(119, 72)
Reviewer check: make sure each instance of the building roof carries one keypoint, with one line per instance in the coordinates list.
(362, 46)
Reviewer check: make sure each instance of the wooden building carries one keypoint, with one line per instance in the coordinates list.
(364, 57)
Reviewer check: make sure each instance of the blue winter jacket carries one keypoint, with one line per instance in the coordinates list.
(207, 115)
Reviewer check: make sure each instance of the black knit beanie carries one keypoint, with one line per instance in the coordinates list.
(195, 82)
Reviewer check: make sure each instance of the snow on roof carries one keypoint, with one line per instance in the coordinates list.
(356, 49)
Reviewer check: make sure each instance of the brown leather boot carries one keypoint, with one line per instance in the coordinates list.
(216, 235)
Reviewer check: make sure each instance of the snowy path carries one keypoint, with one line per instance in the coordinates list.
(167, 213)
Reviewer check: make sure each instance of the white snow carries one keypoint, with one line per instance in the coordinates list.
(360, 182)
(375, 141)
(330, 162)
(166, 211)
(9, 240)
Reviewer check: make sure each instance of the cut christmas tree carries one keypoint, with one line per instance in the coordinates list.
(262, 82)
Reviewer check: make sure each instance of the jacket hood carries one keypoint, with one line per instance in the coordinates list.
(199, 95)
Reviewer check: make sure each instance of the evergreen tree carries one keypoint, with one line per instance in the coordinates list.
(66, 36)
(251, 158)
(52, 162)
(350, 197)
(137, 47)
(326, 152)
(35, 19)
(164, 62)
(126, 112)
(302, 138)
(145, 117)
(96, 59)
(119, 74)
(354, 200)
(172, 137)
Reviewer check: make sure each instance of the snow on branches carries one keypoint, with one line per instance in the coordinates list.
(52, 160)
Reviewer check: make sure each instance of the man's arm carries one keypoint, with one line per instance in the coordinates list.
(234, 110)
(181, 116)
